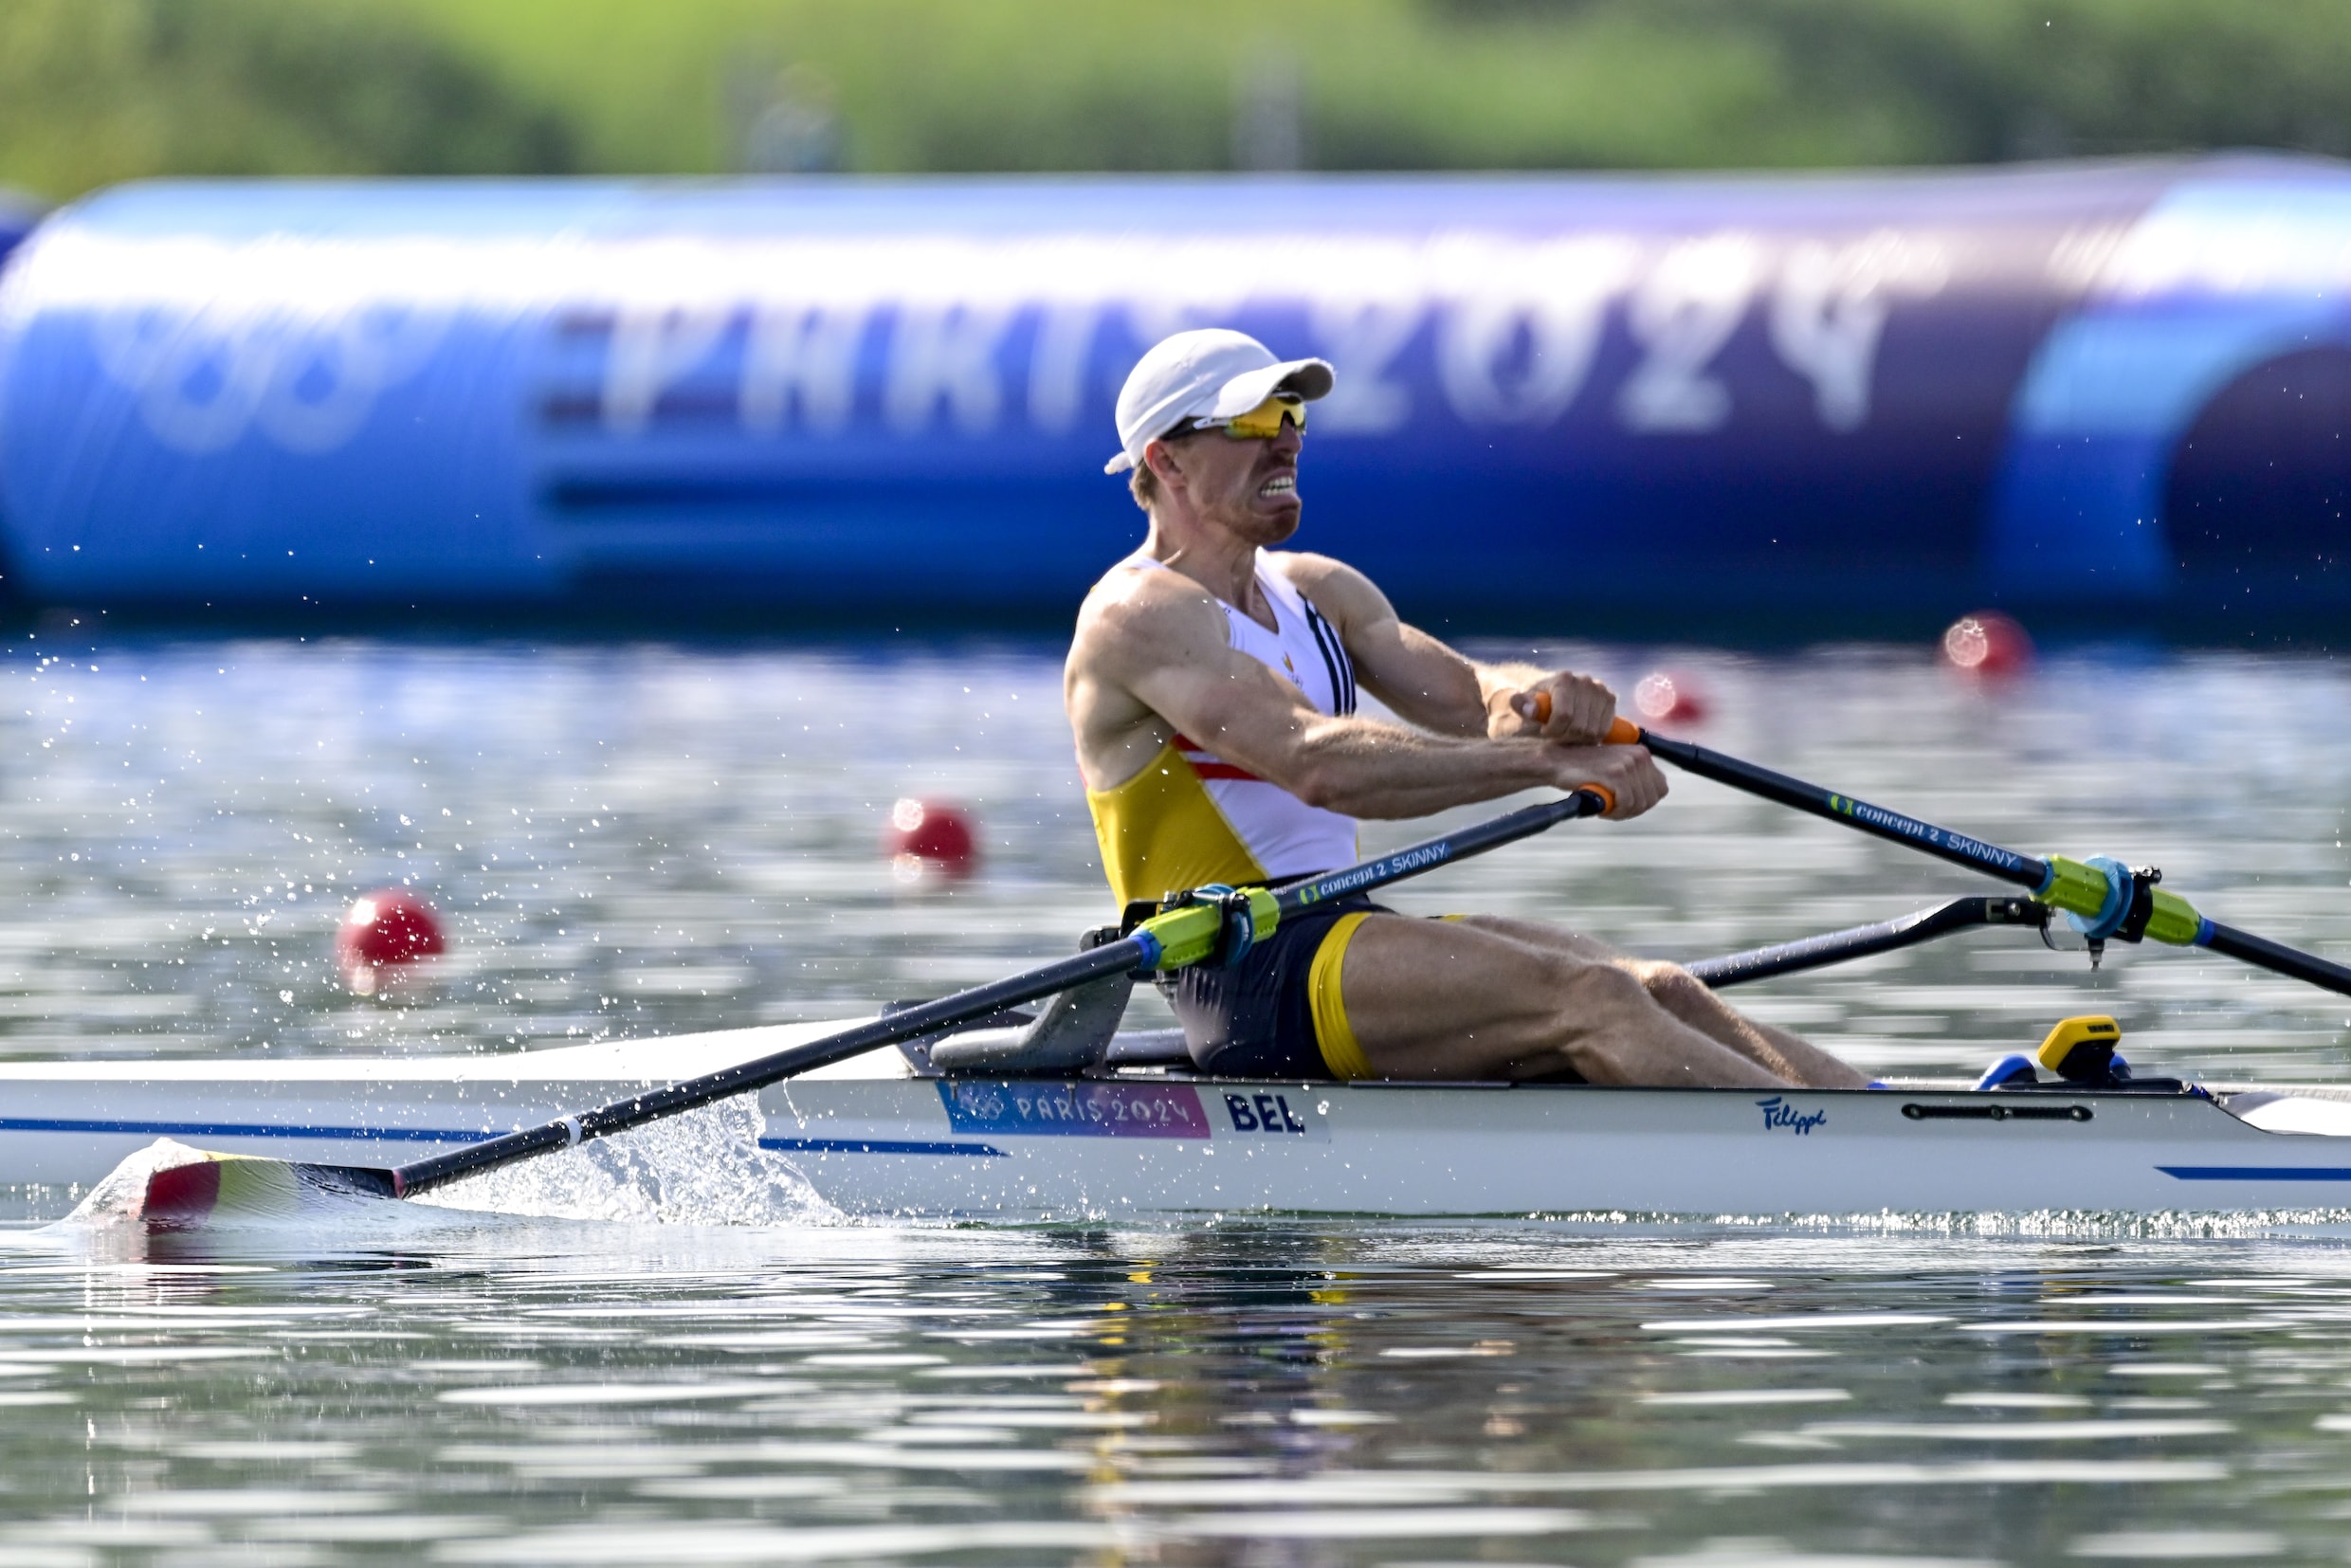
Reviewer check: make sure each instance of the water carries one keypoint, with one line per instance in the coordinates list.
(667, 1350)
(483, 1390)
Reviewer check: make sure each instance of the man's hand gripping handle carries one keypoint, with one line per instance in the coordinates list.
(1621, 732)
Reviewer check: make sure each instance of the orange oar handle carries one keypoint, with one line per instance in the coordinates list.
(1621, 731)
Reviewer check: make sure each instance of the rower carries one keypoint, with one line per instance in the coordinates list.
(1212, 685)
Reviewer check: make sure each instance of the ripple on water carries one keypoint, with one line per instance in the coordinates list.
(1233, 1385)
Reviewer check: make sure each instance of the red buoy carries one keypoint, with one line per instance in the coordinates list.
(383, 934)
(931, 838)
(1987, 644)
(1666, 697)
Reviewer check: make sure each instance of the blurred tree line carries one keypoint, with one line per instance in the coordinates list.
(99, 90)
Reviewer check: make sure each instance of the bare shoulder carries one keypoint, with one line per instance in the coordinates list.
(1135, 632)
(1134, 618)
(1339, 590)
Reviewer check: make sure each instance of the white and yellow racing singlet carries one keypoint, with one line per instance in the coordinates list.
(1190, 818)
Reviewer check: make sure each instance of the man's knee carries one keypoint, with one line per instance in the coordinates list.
(1593, 991)
(1667, 982)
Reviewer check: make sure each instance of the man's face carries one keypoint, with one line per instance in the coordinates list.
(1250, 487)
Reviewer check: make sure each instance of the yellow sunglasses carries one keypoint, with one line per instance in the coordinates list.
(1262, 423)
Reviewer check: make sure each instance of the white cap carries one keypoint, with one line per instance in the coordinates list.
(1212, 374)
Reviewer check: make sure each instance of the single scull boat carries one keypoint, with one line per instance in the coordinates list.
(969, 1125)
(977, 1112)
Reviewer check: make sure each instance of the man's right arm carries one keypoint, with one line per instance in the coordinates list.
(1175, 663)
(1436, 687)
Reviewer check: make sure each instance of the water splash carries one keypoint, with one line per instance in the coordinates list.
(112, 1225)
(704, 1167)
(119, 1195)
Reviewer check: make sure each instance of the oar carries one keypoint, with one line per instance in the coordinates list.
(1862, 941)
(2110, 899)
(1216, 922)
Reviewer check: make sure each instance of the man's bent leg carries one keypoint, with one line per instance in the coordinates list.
(1689, 998)
(1444, 999)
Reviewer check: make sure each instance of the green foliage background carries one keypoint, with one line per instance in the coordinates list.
(93, 91)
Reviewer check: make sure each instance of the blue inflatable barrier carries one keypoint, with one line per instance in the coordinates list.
(2081, 390)
(17, 216)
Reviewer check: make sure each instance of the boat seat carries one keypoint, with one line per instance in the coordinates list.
(1071, 1033)
(1075, 1031)
(1148, 1048)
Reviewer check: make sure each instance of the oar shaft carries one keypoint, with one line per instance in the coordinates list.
(910, 1024)
(1474, 840)
(1860, 941)
(1169, 940)
(2265, 954)
(2082, 888)
(1959, 849)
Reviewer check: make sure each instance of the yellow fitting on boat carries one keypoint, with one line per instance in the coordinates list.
(2175, 920)
(2074, 888)
(1185, 935)
(2070, 1032)
(1265, 913)
(1189, 935)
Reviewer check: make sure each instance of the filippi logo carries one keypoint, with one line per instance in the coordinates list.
(1778, 1113)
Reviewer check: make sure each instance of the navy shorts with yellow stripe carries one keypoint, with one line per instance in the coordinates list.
(1278, 1013)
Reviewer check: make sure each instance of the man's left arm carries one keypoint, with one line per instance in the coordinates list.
(1432, 686)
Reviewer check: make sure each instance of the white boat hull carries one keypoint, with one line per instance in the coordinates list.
(1422, 1150)
(874, 1140)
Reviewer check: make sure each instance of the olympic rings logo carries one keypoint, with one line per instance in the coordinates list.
(307, 383)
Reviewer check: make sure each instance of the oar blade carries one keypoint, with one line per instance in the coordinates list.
(221, 1187)
(169, 1186)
